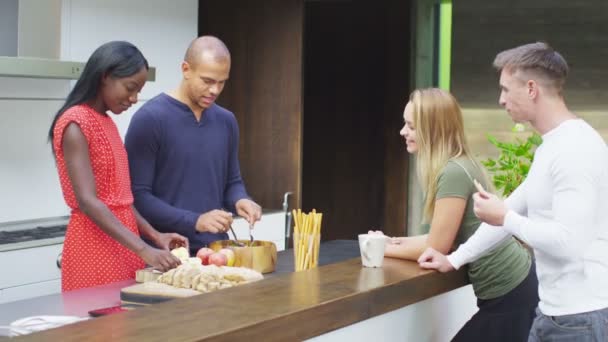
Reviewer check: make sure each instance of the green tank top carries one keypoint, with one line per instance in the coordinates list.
(505, 267)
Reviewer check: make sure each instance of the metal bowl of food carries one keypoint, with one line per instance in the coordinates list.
(257, 255)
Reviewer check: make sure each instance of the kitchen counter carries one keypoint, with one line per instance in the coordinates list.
(283, 306)
(80, 302)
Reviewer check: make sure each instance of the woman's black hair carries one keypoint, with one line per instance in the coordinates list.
(117, 59)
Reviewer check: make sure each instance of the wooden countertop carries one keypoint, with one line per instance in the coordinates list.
(292, 306)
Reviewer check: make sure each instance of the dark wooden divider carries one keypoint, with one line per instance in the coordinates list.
(356, 83)
(318, 88)
(264, 90)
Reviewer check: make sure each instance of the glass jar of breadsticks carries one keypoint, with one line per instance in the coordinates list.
(306, 239)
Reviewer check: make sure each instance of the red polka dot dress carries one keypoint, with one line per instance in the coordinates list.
(90, 256)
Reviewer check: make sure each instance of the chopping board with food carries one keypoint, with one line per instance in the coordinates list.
(189, 279)
(223, 265)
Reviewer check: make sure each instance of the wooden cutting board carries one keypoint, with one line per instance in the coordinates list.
(152, 292)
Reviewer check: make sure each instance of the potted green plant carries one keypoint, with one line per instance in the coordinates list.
(513, 163)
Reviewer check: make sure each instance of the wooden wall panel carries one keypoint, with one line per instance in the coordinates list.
(318, 89)
(355, 82)
(398, 79)
(264, 90)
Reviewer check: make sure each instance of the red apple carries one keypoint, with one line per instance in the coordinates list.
(218, 259)
(204, 254)
(229, 253)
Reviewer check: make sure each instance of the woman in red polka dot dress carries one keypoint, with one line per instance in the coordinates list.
(102, 243)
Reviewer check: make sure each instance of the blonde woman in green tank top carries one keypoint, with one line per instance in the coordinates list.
(505, 280)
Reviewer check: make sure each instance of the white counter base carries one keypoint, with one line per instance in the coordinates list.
(436, 319)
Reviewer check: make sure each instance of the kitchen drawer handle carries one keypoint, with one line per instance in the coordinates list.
(59, 261)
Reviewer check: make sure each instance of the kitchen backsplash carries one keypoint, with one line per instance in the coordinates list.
(29, 186)
(28, 178)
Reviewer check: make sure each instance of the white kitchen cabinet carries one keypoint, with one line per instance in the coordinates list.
(270, 228)
(30, 290)
(30, 272)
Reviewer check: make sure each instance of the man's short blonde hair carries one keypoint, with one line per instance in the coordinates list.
(538, 61)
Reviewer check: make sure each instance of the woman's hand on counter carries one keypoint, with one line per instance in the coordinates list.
(390, 240)
(434, 260)
(401, 240)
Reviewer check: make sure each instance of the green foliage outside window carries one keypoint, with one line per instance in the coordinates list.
(512, 165)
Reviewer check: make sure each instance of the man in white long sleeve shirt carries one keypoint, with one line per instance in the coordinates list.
(560, 210)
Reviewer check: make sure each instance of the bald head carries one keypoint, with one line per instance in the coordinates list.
(207, 47)
(205, 70)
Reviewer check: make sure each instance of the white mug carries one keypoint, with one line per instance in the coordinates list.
(372, 249)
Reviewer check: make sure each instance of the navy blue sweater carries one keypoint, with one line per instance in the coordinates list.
(181, 168)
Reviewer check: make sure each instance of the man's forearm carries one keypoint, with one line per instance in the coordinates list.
(485, 239)
(234, 193)
(166, 216)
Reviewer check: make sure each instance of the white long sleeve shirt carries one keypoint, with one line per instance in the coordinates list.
(561, 211)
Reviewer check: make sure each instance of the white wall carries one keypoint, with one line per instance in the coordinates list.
(436, 319)
(29, 187)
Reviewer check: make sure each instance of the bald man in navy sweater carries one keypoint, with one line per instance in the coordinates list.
(183, 153)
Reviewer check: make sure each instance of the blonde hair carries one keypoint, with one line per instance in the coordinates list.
(439, 127)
